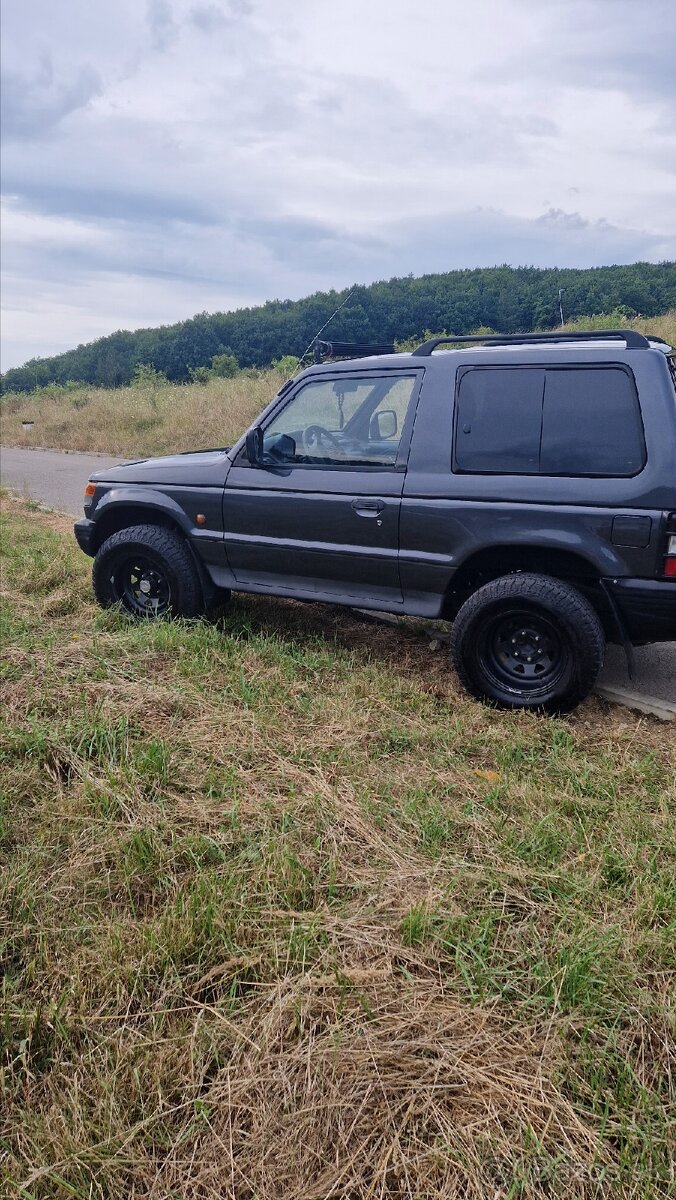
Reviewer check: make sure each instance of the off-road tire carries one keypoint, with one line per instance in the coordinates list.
(528, 641)
(170, 573)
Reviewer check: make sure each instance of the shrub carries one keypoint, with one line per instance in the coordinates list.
(145, 376)
(200, 374)
(287, 365)
(224, 366)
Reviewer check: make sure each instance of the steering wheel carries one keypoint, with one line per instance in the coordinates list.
(317, 436)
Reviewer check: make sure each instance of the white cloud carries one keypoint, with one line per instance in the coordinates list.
(177, 155)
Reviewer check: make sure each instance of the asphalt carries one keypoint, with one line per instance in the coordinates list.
(57, 478)
(654, 677)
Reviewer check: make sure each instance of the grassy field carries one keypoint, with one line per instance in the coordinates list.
(134, 422)
(138, 421)
(284, 914)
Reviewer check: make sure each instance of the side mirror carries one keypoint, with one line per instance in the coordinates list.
(254, 445)
(383, 425)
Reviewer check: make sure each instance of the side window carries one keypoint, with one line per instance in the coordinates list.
(396, 400)
(498, 419)
(344, 421)
(559, 421)
(591, 423)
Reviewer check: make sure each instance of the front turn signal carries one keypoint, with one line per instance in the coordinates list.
(90, 489)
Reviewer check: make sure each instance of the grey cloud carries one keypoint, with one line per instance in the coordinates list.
(256, 115)
(120, 166)
(624, 47)
(538, 126)
(292, 256)
(32, 107)
(212, 17)
(641, 72)
(371, 122)
(558, 219)
(290, 232)
(486, 237)
(318, 248)
(160, 18)
(111, 202)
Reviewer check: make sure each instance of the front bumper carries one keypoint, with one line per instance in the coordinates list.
(84, 532)
(647, 607)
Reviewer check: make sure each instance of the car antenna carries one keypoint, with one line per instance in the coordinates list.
(306, 352)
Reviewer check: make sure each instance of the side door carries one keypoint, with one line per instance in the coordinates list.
(319, 514)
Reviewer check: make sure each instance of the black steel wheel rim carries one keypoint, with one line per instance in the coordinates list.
(522, 650)
(141, 586)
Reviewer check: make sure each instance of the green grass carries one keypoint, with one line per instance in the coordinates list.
(283, 913)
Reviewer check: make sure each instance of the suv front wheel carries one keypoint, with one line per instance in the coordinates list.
(528, 641)
(148, 571)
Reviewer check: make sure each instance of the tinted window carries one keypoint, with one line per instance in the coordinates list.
(590, 423)
(562, 421)
(498, 420)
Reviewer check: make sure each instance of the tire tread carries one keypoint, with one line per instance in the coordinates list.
(168, 545)
(556, 597)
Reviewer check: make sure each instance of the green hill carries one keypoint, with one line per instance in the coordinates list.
(507, 299)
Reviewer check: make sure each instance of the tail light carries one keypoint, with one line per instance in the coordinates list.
(670, 548)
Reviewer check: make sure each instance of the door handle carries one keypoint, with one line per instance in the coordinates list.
(368, 508)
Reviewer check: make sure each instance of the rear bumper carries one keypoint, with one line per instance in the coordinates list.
(647, 607)
(84, 532)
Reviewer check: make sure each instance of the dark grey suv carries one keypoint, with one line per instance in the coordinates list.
(523, 488)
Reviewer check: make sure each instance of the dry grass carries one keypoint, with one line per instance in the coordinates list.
(133, 422)
(138, 421)
(663, 326)
(284, 914)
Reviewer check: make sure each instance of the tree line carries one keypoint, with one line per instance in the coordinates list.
(505, 299)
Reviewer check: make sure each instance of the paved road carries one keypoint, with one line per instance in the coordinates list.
(655, 674)
(58, 479)
(53, 476)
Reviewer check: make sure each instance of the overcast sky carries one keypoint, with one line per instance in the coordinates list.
(166, 157)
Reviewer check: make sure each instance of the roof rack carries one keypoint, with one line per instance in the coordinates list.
(632, 340)
(349, 350)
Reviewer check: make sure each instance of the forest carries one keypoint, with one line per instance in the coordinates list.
(505, 299)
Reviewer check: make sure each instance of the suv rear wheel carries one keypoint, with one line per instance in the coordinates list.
(149, 571)
(528, 641)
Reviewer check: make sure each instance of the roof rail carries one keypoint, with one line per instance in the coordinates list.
(349, 350)
(632, 340)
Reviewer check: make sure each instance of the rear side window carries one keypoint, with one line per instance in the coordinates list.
(590, 423)
(498, 420)
(553, 421)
